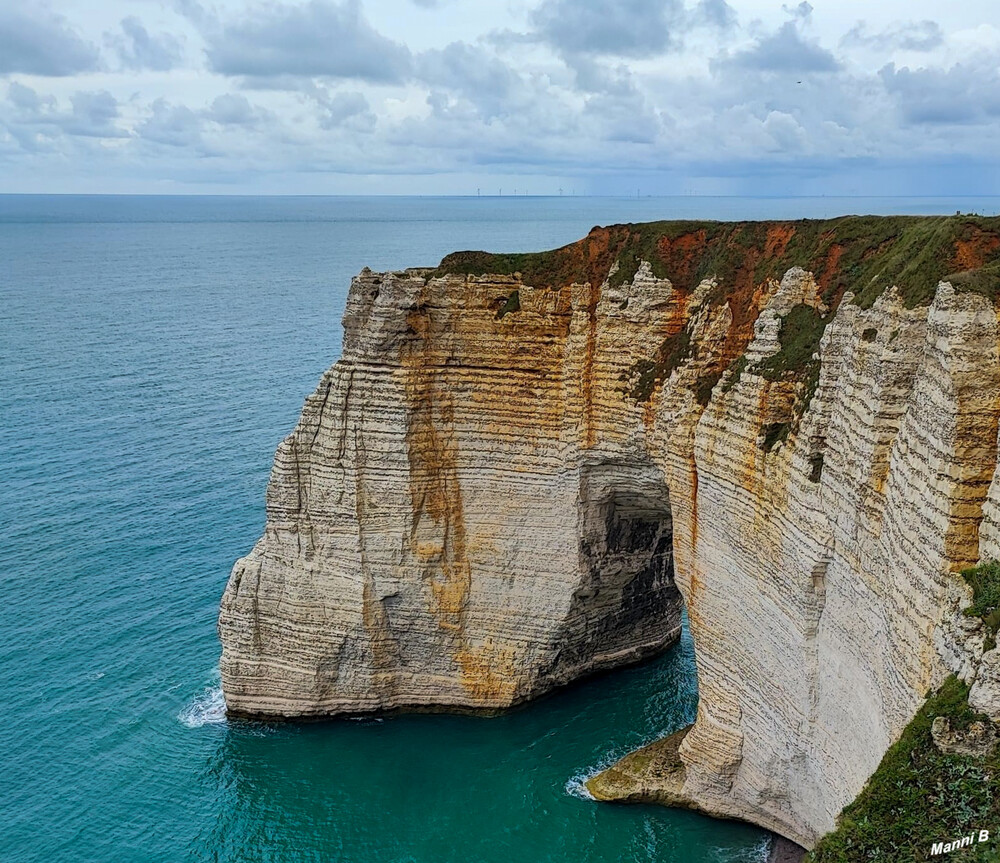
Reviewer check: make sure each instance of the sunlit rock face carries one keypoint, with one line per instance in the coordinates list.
(502, 485)
(444, 529)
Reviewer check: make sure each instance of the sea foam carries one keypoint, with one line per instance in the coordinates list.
(757, 854)
(207, 708)
(576, 785)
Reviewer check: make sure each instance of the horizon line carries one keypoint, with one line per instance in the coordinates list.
(472, 196)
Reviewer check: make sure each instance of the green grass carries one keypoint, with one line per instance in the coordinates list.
(862, 253)
(538, 268)
(801, 330)
(704, 386)
(513, 304)
(736, 372)
(643, 377)
(985, 582)
(641, 246)
(774, 433)
(985, 281)
(919, 796)
(810, 383)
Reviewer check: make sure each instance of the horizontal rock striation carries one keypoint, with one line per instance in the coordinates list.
(520, 459)
(442, 530)
(841, 544)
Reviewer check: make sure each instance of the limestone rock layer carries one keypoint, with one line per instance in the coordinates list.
(511, 478)
(441, 531)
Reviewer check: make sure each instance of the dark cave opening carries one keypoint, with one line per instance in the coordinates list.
(627, 607)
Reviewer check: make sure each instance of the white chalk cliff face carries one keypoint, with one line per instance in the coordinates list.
(442, 529)
(473, 510)
(820, 577)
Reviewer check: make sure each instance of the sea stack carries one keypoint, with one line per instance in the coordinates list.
(458, 520)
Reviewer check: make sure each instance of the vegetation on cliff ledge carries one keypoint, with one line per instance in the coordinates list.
(864, 254)
(512, 304)
(801, 330)
(985, 582)
(920, 795)
(646, 375)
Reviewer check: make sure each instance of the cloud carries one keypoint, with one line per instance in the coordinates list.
(593, 76)
(588, 89)
(470, 70)
(137, 49)
(180, 126)
(35, 42)
(623, 28)
(27, 99)
(233, 110)
(633, 29)
(319, 38)
(619, 120)
(172, 125)
(347, 109)
(786, 50)
(802, 12)
(92, 114)
(715, 13)
(965, 93)
(786, 134)
(280, 83)
(192, 10)
(909, 36)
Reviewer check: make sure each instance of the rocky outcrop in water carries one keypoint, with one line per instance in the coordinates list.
(498, 486)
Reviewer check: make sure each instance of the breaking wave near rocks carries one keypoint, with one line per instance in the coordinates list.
(208, 707)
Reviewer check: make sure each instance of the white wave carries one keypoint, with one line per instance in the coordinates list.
(761, 851)
(207, 708)
(576, 785)
(757, 854)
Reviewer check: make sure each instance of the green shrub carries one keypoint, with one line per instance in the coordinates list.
(645, 375)
(985, 582)
(736, 372)
(801, 330)
(704, 386)
(774, 433)
(513, 304)
(863, 253)
(985, 281)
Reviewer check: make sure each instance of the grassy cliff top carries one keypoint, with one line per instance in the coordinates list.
(864, 254)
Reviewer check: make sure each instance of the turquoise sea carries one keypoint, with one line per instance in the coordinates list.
(153, 351)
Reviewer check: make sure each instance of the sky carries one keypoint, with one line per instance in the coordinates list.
(651, 97)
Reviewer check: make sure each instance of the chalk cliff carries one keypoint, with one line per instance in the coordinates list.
(520, 459)
(443, 530)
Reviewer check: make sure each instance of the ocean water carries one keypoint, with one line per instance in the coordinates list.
(153, 352)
